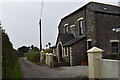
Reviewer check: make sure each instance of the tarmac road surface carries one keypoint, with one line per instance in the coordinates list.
(31, 70)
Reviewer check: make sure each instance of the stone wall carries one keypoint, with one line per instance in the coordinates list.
(104, 25)
(79, 52)
(72, 19)
(90, 29)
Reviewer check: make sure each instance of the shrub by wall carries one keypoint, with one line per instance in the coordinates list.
(33, 56)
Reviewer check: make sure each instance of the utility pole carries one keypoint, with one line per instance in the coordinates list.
(40, 24)
(0, 50)
(40, 35)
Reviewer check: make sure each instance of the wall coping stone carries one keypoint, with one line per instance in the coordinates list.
(46, 54)
(109, 60)
(42, 51)
(95, 50)
(50, 54)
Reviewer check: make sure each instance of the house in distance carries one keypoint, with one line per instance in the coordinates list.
(90, 25)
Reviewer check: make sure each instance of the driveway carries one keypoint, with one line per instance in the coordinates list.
(31, 70)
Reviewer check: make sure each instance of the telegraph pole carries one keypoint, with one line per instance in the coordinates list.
(40, 24)
(40, 36)
(0, 50)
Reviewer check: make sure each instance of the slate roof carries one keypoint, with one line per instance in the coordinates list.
(66, 37)
(99, 7)
(118, 26)
(105, 8)
(63, 37)
(73, 41)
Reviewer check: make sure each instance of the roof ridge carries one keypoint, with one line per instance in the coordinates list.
(88, 4)
(105, 4)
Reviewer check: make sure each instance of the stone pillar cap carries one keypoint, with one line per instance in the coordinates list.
(95, 50)
(42, 51)
(50, 54)
(46, 54)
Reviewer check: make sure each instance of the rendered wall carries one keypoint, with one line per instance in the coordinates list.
(110, 68)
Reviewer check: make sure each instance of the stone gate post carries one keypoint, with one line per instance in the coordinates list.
(46, 62)
(42, 56)
(94, 56)
(50, 58)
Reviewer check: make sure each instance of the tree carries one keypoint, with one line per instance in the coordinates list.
(48, 50)
(49, 44)
(36, 49)
(23, 50)
(32, 47)
(9, 58)
(46, 45)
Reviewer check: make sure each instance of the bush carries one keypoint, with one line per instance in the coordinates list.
(112, 56)
(10, 60)
(48, 51)
(33, 56)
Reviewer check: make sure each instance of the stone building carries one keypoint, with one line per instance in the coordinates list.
(91, 25)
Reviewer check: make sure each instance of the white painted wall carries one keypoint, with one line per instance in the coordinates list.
(110, 68)
(102, 68)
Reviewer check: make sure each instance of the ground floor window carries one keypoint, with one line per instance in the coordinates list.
(89, 46)
(115, 47)
(65, 51)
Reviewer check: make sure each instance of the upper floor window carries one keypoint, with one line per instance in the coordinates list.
(115, 46)
(66, 28)
(80, 27)
(80, 24)
(72, 29)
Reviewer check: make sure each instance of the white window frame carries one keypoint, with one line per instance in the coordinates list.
(81, 26)
(87, 42)
(81, 18)
(71, 29)
(81, 30)
(66, 27)
(67, 51)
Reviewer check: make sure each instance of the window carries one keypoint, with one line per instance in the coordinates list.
(114, 47)
(89, 45)
(66, 28)
(65, 50)
(72, 29)
(80, 27)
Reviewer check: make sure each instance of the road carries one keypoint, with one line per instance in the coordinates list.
(31, 70)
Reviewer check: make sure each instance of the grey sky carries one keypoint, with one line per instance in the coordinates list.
(20, 20)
